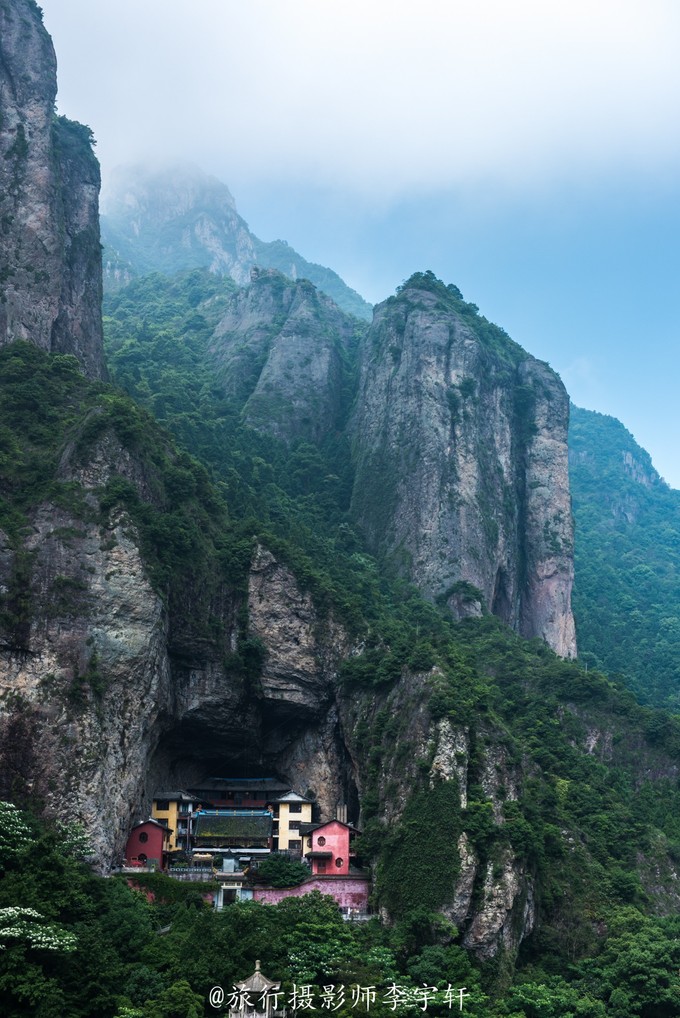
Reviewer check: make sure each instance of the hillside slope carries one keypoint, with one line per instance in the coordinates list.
(627, 589)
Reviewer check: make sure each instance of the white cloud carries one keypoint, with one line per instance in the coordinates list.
(380, 96)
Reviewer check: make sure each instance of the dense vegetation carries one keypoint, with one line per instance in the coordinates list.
(80, 946)
(487, 678)
(47, 409)
(627, 550)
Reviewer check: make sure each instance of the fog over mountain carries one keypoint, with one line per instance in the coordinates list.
(461, 139)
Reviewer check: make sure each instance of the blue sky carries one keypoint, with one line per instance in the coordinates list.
(527, 151)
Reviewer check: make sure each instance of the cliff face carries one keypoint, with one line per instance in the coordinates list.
(282, 351)
(167, 220)
(460, 442)
(110, 690)
(145, 642)
(50, 279)
(108, 694)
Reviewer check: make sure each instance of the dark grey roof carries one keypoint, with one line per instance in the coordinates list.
(258, 982)
(156, 823)
(292, 797)
(245, 827)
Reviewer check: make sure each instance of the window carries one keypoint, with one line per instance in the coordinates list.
(321, 866)
(143, 836)
(295, 845)
(321, 841)
(339, 862)
(142, 858)
(295, 807)
(163, 805)
(294, 825)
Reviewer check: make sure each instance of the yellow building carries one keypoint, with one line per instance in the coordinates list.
(292, 811)
(174, 810)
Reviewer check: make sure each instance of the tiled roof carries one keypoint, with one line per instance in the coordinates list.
(156, 823)
(292, 797)
(258, 982)
(245, 827)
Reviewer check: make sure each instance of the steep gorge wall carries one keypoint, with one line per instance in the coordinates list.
(107, 694)
(50, 262)
(460, 444)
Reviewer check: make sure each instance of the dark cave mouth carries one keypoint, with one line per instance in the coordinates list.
(268, 752)
(197, 754)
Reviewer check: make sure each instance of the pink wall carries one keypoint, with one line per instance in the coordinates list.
(336, 840)
(152, 849)
(349, 892)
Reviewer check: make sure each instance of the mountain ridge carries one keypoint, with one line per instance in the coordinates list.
(170, 219)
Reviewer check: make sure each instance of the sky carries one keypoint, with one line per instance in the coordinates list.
(527, 151)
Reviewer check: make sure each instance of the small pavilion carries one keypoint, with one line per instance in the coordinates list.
(259, 997)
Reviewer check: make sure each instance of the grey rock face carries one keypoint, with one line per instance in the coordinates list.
(50, 264)
(460, 442)
(281, 351)
(166, 220)
(493, 907)
(106, 694)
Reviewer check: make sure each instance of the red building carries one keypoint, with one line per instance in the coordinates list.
(328, 848)
(148, 844)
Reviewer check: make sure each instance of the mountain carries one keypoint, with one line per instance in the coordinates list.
(174, 218)
(460, 440)
(457, 438)
(188, 588)
(627, 588)
(50, 266)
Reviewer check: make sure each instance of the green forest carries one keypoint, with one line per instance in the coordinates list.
(81, 945)
(627, 553)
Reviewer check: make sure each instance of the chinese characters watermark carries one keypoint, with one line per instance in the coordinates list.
(331, 998)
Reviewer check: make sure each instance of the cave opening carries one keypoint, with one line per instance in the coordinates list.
(501, 601)
(269, 747)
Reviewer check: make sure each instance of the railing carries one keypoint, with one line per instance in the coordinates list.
(237, 811)
(197, 869)
(135, 869)
(192, 873)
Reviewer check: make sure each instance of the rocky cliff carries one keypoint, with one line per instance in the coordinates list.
(150, 637)
(111, 690)
(283, 352)
(50, 275)
(460, 442)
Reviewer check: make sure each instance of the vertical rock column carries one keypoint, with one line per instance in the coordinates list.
(50, 262)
